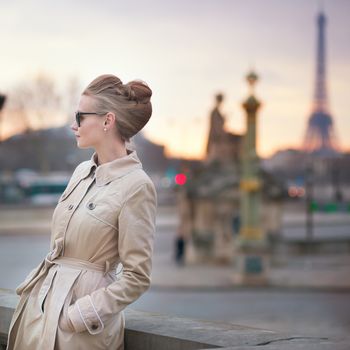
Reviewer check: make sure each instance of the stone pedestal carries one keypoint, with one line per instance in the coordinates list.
(252, 263)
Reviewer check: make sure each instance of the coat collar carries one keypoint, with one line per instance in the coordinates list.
(107, 172)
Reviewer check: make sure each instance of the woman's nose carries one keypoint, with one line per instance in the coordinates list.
(74, 126)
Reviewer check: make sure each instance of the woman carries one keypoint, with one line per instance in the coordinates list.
(106, 216)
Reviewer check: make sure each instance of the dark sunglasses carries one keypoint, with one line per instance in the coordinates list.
(78, 116)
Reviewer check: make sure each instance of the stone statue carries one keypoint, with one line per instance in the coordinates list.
(217, 133)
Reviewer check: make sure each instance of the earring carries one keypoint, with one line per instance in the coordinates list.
(104, 129)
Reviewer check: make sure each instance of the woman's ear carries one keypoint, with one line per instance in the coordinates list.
(110, 119)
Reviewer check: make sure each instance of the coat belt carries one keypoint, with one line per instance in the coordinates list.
(83, 264)
(53, 257)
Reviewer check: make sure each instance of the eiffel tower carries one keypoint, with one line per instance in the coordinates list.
(320, 137)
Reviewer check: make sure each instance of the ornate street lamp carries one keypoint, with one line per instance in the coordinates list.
(251, 258)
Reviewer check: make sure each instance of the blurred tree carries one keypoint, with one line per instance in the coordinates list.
(38, 100)
(38, 104)
(72, 93)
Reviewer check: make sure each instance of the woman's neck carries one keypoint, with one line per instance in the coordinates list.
(108, 154)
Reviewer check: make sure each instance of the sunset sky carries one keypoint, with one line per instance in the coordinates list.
(187, 51)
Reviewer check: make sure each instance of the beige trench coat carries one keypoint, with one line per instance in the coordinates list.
(73, 299)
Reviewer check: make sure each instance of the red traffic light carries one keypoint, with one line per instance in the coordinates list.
(180, 179)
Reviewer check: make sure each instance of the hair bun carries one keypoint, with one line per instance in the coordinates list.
(111, 95)
(138, 91)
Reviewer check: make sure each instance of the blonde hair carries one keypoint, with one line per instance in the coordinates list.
(129, 102)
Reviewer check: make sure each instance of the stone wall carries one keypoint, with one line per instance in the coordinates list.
(148, 331)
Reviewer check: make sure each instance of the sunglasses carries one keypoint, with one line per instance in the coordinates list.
(78, 116)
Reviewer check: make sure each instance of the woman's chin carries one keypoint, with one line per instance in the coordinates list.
(81, 145)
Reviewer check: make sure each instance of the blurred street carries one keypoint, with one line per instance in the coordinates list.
(307, 294)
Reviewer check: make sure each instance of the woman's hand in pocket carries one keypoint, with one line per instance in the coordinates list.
(65, 323)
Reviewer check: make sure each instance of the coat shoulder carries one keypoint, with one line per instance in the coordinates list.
(133, 181)
(138, 178)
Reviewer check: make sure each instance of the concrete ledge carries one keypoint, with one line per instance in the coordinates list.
(148, 331)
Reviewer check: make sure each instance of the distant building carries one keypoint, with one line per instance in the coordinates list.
(55, 149)
(288, 163)
(151, 154)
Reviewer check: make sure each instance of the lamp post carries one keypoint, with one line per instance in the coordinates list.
(251, 257)
(2, 102)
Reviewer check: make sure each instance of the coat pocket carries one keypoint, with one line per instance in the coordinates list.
(45, 287)
(103, 213)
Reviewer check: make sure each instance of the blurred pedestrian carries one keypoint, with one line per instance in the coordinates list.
(180, 249)
(236, 224)
(106, 216)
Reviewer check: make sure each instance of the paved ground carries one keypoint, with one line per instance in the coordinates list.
(29, 228)
(328, 272)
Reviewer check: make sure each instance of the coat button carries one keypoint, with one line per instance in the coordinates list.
(94, 327)
(70, 207)
(91, 206)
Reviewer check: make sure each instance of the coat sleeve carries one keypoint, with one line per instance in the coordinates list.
(136, 226)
